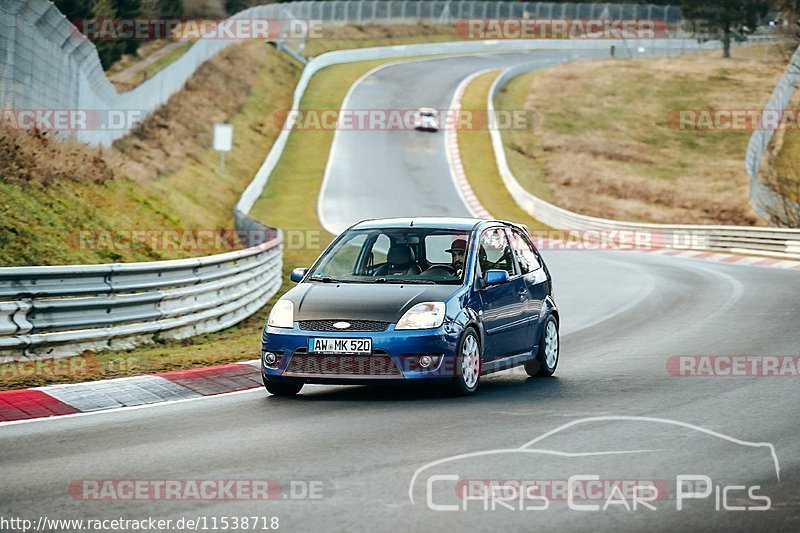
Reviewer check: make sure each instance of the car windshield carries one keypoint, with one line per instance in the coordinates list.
(395, 255)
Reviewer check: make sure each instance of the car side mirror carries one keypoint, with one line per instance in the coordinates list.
(298, 274)
(495, 276)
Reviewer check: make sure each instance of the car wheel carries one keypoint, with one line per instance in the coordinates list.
(546, 359)
(468, 364)
(282, 389)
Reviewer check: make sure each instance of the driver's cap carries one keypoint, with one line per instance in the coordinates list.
(459, 245)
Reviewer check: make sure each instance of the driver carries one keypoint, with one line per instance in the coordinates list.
(459, 251)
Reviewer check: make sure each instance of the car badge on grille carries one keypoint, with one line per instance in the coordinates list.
(341, 325)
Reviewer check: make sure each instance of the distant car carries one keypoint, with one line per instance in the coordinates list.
(426, 119)
(415, 300)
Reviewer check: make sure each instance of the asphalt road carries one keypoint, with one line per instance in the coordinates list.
(625, 314)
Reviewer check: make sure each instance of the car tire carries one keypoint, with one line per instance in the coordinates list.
(468, 363)
(282, 389)
(546, 360)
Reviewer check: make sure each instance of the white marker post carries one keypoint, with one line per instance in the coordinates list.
(223, 142)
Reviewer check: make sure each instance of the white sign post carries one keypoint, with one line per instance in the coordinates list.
(223, 142)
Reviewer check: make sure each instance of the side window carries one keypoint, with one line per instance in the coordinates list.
(494, 252)
(523, 250)
(380, 249)
(342, 261)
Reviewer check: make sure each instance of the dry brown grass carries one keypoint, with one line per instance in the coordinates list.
(178, 132)
(181, 130)
(604, 146)
(40, 159)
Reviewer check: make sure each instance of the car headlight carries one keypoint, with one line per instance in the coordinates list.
(282, 315)
(423, 316)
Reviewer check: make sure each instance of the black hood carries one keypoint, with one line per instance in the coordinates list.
(360, 301)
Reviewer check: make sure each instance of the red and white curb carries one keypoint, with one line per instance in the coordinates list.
(454, 156)
(59, 400)
(727, 258)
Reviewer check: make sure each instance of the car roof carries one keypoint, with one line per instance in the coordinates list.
(455, 223)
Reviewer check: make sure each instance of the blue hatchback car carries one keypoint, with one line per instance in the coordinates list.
(415, 300)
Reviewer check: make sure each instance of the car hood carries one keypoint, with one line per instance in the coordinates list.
(360, 301)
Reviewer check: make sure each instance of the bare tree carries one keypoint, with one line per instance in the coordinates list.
(731, 19)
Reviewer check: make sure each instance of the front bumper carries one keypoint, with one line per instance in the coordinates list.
(393, 357)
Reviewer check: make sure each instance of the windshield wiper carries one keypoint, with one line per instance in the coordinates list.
(410, 281)
(327, 279)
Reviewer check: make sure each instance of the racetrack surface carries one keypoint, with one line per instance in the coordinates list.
(625, 314)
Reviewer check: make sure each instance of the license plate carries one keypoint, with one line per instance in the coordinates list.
(336, 346)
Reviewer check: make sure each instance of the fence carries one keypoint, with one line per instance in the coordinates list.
(766, 202)
(735, 239)
(360, 11)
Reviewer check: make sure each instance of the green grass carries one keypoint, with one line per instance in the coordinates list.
(477, 156)
(163, 62)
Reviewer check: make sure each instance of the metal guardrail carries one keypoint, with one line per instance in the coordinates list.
(64, 310)
(778, 242)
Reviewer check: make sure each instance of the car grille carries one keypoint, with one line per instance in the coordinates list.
(355, 325)
(343, 365)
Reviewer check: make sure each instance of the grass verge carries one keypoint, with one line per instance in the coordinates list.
(603, 143)
(477, 156)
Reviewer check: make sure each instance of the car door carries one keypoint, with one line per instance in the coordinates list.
(535, 278)
(503, 306)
